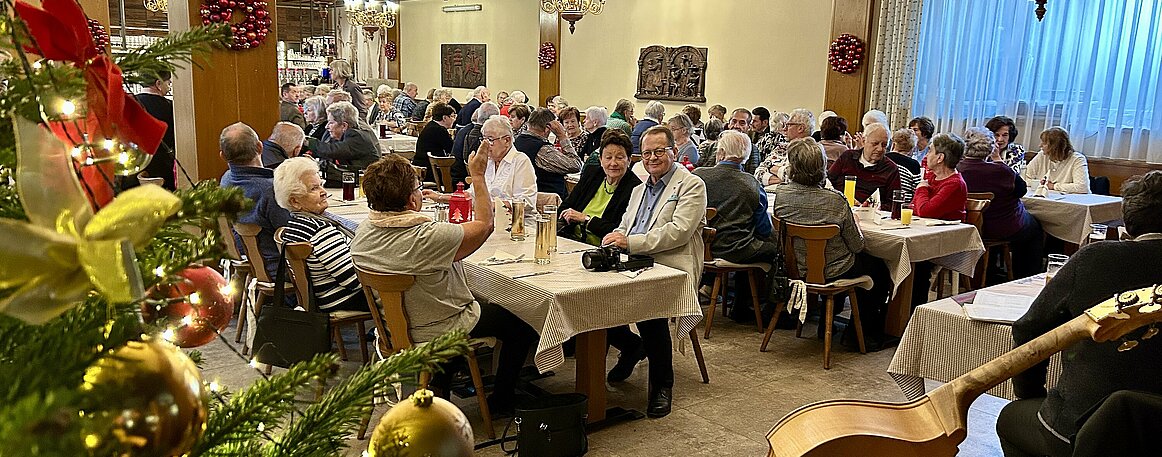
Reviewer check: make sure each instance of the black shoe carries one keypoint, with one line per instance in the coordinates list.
(659, 405)
(498, 407)
(625, 364)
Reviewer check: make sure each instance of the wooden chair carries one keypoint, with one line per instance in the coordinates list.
(815, 237)
(249, 235)
(409, 155)
(442, 173)
(720, 268)
(547, 198)
(392, 320)
(414, 127)
(296, 257)
(1006, 249)
(234, 266)
(974, 214)
(634, 158)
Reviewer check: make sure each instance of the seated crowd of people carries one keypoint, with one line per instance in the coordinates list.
(633, 190)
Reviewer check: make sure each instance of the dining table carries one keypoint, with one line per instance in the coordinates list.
(562, 300)
(398, 142)
(1068, 216)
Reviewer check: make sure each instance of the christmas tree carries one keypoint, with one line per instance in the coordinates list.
(81, 372)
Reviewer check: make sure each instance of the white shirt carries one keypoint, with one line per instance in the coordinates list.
(512, 178)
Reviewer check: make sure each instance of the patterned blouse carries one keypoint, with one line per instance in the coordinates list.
(1014, 157)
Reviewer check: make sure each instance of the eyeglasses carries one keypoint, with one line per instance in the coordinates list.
(656, 152)
(493, 140)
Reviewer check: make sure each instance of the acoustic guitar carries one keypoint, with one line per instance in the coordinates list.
(937, 423)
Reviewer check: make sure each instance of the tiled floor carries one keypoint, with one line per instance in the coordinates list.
(748, 392)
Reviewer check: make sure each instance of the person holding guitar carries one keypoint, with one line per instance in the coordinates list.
(1046, 421)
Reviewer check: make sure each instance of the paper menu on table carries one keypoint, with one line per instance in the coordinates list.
(990, 306)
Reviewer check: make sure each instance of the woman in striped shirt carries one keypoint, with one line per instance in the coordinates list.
(298, 188)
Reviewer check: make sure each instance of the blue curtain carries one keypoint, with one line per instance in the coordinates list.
(1092, 67)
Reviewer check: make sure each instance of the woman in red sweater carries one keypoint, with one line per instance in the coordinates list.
(942, 193)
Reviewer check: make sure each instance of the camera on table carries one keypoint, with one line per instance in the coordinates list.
(612, 258)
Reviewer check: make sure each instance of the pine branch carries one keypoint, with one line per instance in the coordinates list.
(325, 425)
(192, 234)
(142, 65)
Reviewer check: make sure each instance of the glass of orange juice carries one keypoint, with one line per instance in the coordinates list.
(849, 190)
(906, 214)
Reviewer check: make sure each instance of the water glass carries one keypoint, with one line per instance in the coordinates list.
(897, 202)
(550, 211)
(1056, 261)
(1098, 233)
(517, 232)
(545, 234)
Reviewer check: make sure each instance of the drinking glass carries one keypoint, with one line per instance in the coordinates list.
(905, 214)
(348, 186)
(551, 213)
(897, 202)
(518, 220)
(849, 190)
(544, 238)
(1098, 233)
(1056, 261)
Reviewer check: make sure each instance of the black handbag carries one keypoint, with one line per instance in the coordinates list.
(553, 426)
(777, 277)
(284, 336)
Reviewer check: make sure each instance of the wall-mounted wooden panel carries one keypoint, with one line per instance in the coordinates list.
(847, 93)
(550, 79)
(1119, 170)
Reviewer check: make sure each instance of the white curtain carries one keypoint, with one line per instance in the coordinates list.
(894, 66)
(1092, 67)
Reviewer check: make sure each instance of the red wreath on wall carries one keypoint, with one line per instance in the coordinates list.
(100, 35)
(248, 33)
(845, 54)
(390, 50)
(548, 55)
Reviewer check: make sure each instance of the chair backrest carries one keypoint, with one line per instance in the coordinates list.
(390, 317)
(421, 172)
(249, 235)
(981, 195)
(413, 128)
(1099, 185)
(974, 212)
(547, 198)
(227, 232)
(407, 155)
(708, 235)
(296, 256)
(634, 159)
(442, 173)
(815, 236)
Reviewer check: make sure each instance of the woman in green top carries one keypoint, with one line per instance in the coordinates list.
(595, 206)
(622, 117)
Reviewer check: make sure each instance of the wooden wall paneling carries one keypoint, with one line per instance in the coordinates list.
(96, 9)
(550, 79)
(847, 94)
(230, 86)
(393, 67)
(1119, 170)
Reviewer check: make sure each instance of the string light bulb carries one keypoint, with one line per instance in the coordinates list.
(188, 320)
(109, 144)
(168, 334)
(68, 108)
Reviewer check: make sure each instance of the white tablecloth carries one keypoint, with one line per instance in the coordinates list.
(398, 143)
(1068, 216)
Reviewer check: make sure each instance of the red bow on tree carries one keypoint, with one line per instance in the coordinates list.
(64, 35)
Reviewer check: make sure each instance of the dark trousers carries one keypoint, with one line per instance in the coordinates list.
(922, 281)
(517, 339)
(873, 303)
(741, 310)
(1028, 248)
(1022, 434)
(655, 337)
(357, 302)
(1125, 424)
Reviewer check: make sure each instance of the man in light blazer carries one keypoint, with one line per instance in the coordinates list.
(664, 219)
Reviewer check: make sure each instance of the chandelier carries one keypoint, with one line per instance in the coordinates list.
(371, 14)
(156, 6)
(572, 10)
(1041, 9)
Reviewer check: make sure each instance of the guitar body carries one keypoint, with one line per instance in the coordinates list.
(864, 428)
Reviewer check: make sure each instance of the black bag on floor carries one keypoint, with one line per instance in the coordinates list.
(777, 277)
(284, 336)
(553, 426)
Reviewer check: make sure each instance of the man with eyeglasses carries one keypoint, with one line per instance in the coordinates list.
(800, 125)
(551, 164)
(740, 121)
(664, 220)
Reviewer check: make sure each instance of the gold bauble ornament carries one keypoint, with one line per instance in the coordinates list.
(154, 396)
(422, 426)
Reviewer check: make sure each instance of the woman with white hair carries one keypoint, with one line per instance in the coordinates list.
(315, 111)
(322, 90)
(942, 193)
(1006, 218)
(510, 174)
(349, 147)
(683, 130)
(655, 112)
(595, 119)
(341, 73)
(799, 124)
(298, 188)
(515, 98)
(874, 116)
(381, 109)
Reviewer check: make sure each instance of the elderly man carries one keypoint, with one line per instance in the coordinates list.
(286, 141)
(550, 163)
(479, 95)
(240, 148)
(740, 122)
(664, 220)
(655, 112)
(800, 124)
(743, 224)
(348, 147)
(288, 108)
(871, 169)
(467, 139)
(405, 103)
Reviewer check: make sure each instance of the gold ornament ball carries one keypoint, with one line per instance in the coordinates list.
(422, 426)
(154, 397)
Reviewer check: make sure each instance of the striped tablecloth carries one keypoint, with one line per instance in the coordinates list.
(1068, 216)
(956, 247)
(940, 343)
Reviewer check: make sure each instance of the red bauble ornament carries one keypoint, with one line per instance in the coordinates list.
(255, 19)
(195, 319)
(100, 35)
(845, 53)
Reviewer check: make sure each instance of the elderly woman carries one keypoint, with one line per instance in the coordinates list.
(518, 118)
(595, 119)
(510, 173)
(801, 199)
(349, 148)
(570, 117)
(298, 188)
(1007, 152)
(596, 205)
(516, 98)
(706, 155)
(867, 164)
(874, 116)
(445, 96)
(655, 112)
(1006, 218)
(903, 142)
(341, 73)
(695, 114)
(622, 117)
(923, 128)
(800, 124)
(833, 132)
(1058, 165)
(717, 112)
(315, 111)
(322, 89)
(941, 194)
(683, 130)
(381, 109)
(396, 238)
